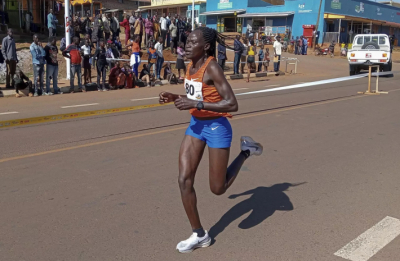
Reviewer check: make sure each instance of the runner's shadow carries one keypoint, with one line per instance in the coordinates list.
(263, 203)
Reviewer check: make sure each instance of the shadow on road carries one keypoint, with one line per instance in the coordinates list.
(263, 203)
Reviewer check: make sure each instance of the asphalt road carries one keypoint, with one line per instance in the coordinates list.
(105, 187)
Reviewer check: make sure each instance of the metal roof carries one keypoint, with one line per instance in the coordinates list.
(276, 14)
(224, 12)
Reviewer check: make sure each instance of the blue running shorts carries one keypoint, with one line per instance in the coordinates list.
(216, 133)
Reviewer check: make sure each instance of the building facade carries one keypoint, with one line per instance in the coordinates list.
(339, 20)
(181, 7)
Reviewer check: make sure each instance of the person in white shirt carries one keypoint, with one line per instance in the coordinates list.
(277, 53)
(160, 58)
(164, 28)
(28, 20)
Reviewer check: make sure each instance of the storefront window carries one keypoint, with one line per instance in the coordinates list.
(189, 13)
(257, 23)
(173, 11)
(182, 11)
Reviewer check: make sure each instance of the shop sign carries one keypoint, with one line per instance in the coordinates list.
(336, 4)
(224, 4)
(378, 11)
(360, 8)
(302, 8)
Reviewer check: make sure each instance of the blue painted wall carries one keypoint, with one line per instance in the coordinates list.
(257, 3)
(200, 8)
(306, 12)
(371, 10)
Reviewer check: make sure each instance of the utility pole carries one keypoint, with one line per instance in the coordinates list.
(67, 35)
(193, 15)
(317, 25)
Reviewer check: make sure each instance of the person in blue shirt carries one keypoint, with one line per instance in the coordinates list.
(305, 45)
(260, 58)
(238, 48)
(222, 54)
(38, 60)
(118, 44)
(51, 23)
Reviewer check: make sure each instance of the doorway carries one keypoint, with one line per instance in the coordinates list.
(230, 24)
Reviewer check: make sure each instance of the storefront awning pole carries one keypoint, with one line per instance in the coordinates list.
(370, 28)
(67, 35)
(44, 13)
(340, 25)
(19, 14)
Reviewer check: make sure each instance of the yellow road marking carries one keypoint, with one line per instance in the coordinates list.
(69, 116)
(170, 130)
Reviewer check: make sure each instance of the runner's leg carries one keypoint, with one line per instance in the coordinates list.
(222, 176)
(190, 154)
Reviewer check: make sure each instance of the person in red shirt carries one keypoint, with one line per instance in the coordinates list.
(113, 76)
(73, 52)
(125, 24)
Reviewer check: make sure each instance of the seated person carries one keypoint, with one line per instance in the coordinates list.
(113, 77)
(121, 80)
(21, 81)
(130, 78)
(168, 74)
(151, 42)
(146, 76)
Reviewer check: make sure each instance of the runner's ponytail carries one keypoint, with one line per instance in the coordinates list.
(212, 37)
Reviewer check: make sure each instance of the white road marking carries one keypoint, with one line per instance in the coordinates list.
(152, 98)
(302, 85)
(309, 84)
(10, 112)
(80, 105)
(371, 241)
(142, 99)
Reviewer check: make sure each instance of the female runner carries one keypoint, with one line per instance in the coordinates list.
(209, 97)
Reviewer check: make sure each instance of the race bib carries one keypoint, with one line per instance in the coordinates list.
(194, 90)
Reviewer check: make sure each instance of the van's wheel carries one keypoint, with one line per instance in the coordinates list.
(353, 70)
(387, 68)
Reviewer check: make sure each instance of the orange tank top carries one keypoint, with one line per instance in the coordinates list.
(197, 90)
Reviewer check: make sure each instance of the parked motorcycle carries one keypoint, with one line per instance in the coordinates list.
(325, 51)
(266, 40)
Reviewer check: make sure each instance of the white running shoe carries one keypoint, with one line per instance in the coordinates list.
(247, 143)
(194, 242)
